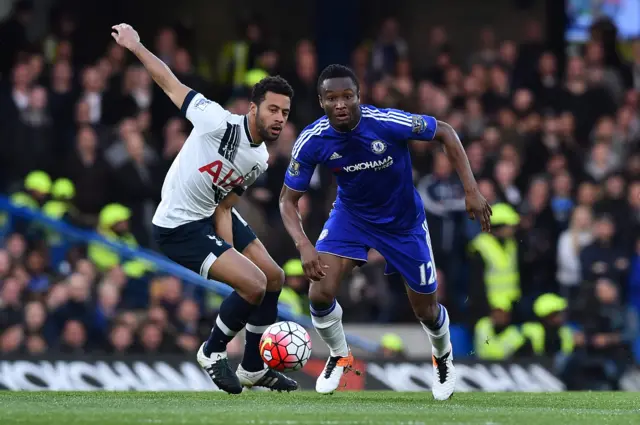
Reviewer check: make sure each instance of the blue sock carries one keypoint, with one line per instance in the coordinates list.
(258, 322)
(233, 315)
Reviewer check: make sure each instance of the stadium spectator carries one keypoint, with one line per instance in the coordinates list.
(495, 336)
(570, 245)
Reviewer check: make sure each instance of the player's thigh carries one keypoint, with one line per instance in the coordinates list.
(258, 254)
(411, 256)
(241, 274)
(326, 289)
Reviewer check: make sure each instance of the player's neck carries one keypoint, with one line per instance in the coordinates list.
(356, 123)
(252, 130)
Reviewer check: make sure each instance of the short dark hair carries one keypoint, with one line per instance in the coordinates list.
(275, 84)
(337, 71)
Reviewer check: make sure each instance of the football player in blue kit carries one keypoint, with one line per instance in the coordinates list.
(377, 207)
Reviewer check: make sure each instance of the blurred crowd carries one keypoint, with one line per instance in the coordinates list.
(554, 146)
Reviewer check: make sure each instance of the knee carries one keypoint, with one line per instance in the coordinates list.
(255, 291)
(428, 313)
(320, 294)
(275, 279)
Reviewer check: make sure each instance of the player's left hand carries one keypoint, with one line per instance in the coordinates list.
(479, 208)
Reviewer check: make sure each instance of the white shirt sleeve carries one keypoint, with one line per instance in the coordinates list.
(205, 115)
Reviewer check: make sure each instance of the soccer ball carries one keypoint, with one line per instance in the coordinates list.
(285, 346)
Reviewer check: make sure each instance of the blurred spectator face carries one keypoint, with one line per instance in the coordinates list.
(380, 92)
(506, 118)
(11, 291)
(403, 68)
(127, 127)
(604, 229)
(61, 73)
(474, 108)
(34, 316)
(550, 125)
(182, 62)
(151, 337)
(488, 190)
(522, 100)
(615, 187)
(510, 153)
(143, 121)
(437, 36)
(562, 185)
(108, 296)
(74, 334)
(36, 65)
(158, 315)
(389, 31)
(129, 80)
(269, 60)
(254, 33)
(453, 76)
(491, 140)
(188, 311)
(36, 263)
(87, 269)
(624, 118)
(594, 54)
(600, 154)
(83, 113)
(143, 79)
(587, 194)
(443, 60)
(116, 54)
(16, 245)
(78, 288)
(606, 291)
(567, 124)
(65, 51)
(5, 263)
(533, 31)
(631, 99)
(92, 80)
(633, 196)
(475, 153)
(547, 65)
(35, 344)
(166, 42)
(605, 129)
(172, 290)
(306, 46)
(38, 98)
(581, 220)
(538, 195)
(499, 79)
(487, 38)
(633, 166)
(104, 68)
(575, 69)
(135, 147)
(117, 277)
(505, 173)
(500, 318)
(188, 342)
(557, 164)
(21, 76)
(87, 141)
(121, 227)
(306, 66)
(472, 87)
(121, 338)
(11, 339)
(441, 165)
(508, 52)
(479, 72)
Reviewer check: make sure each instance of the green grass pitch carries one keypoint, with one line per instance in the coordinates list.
(364, 408)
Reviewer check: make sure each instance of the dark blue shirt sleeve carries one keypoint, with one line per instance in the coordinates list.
(405, 126)
(303, 164)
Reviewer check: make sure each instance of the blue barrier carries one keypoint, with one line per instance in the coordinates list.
(161, 263)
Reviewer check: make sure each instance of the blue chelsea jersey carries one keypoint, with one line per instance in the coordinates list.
(372, 165)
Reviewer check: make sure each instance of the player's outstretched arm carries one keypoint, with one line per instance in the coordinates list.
(313, 267)
(127, 37)
(477, 205)
(222, 219)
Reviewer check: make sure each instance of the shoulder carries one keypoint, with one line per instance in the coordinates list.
(307, 139)
(386, 117)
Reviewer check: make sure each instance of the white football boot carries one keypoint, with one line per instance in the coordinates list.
(444, 376)
(329, 379)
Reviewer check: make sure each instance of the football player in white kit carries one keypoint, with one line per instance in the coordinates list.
(196, 226)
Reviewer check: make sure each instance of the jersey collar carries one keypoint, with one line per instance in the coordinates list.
(248, 133)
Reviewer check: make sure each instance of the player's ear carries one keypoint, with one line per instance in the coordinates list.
(253, 109)
(320, 101)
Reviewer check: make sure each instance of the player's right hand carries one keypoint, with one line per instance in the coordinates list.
(125, 36)
(311, 263)
(479, 209)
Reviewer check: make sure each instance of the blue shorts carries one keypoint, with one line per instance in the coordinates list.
(197, 246)
(409, 254)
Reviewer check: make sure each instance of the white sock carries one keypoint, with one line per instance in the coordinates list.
(328, 324)
(439, 333)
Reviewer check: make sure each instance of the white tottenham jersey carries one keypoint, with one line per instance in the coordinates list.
(217, 158)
